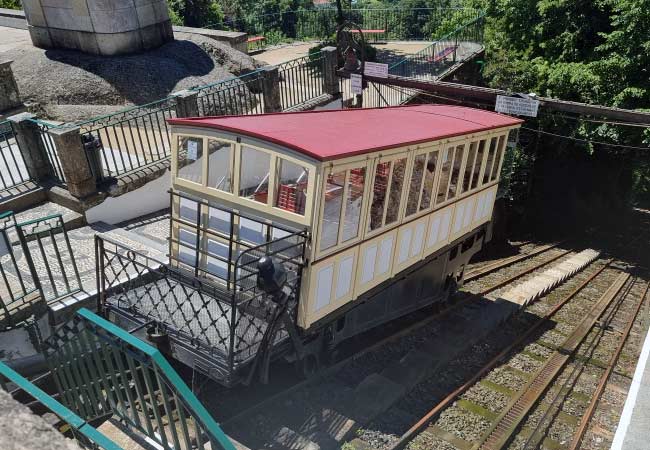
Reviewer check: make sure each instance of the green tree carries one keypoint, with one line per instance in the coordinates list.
(10, 4)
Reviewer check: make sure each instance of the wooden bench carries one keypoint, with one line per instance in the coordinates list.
(375, 33)
(443, 54)
(258, 41)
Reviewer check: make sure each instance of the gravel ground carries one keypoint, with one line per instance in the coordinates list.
(506, 378)
(463, 424)
(487, 398)
(427, 441)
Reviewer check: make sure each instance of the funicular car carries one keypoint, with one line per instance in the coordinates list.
(291, 233)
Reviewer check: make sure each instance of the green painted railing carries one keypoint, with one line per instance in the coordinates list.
(86, 435)
(102, 370)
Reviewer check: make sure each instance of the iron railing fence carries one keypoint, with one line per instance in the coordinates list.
(321, 23)
(51, 151)
(19, 294)
(102, 371)
(437, 58)
(69, 423)
(209, 303)
(234, 96)
(13, 170)
(49, 256)
(119, 143)
(301, 80)
(376, 95)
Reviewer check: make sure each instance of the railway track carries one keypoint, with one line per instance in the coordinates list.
(535, 259)
(395, 347)
(435, 430)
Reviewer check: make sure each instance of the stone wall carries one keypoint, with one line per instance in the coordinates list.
(9, 96)
(101, 27)
(235, 39)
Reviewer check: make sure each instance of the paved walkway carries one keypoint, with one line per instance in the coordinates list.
(12, 37)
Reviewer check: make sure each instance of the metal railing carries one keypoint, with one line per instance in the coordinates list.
(301, 80)
(321, 23)
(19, 294)
(437, 58)
(85, 435)
(102, 371)
(234, 96)
(128, 140)
(13, 170)
(51, 151)
(219, 316)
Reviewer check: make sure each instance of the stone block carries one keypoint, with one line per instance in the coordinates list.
(67, 19)
(115, 21)
(40, 36)
(108, 5)
(146, 15)
(156, 35)
(235, 39)
(34, 13)
(119, 43)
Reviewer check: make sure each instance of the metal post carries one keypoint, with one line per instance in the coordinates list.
(31, 146)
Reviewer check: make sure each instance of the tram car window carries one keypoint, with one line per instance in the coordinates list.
(365, 211)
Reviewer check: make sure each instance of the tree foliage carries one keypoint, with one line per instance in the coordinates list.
(10, 4)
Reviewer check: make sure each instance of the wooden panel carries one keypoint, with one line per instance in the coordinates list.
(438, 229)
(331, 285)
(375, 261)
(410, 244)
(463, 215)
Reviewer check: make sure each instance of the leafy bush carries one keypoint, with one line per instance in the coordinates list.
(10, 4)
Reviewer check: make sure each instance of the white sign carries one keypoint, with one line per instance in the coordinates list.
(517, 106)
(375, 70)
(356, 82)
(192, 150)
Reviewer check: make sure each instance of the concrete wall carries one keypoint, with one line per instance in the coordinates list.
(235, 39)
(13, 18)
(101, 27)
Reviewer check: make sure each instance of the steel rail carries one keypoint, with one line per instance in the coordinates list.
(508, 421)
(591, 409)
(375, 345)
(505, 262)
(427, 418)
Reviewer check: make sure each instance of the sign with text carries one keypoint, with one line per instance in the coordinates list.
(517, 106)
(378, 70)
(356, 82)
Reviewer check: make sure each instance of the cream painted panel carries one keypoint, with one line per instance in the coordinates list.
(345, 277)
(331, 285)
(469, 211)
(405, 234)
(438, 229)
(375, 261)
(324, 282)
(459, 215)
(418, 238)
(410, 241)
(479, 207)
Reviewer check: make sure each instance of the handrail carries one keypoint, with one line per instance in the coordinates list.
(75, 422)
(437, 41)
(186, 396)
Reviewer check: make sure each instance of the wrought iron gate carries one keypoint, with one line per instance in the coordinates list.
(102, 371)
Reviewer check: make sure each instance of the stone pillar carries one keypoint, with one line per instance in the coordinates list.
(186, 104)
(78, 174)
(330, 79)
(271, 89)
(9, 96)
(28, 137)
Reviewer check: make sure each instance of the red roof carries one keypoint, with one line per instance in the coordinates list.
(332, 134)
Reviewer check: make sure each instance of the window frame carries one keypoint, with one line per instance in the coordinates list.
(312, 168)
(174, 166)
(402, 153)
(233, 157)
(435, 147)
(324, 173)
